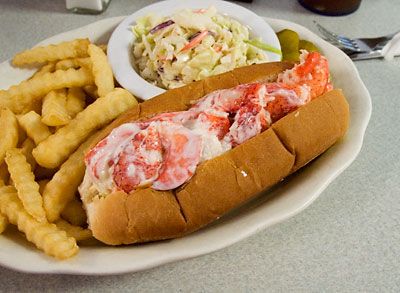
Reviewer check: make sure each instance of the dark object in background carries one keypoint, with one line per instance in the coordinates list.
(331, 7)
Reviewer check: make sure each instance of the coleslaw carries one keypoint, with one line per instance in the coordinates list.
(190, 45)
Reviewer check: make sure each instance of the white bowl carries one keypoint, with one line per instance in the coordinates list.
(119, 49)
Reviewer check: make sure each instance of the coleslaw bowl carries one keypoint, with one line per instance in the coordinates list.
(120, 54)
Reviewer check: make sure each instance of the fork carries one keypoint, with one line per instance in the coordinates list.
(355, 44)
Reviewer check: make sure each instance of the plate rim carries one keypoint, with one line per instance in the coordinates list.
(51, 266)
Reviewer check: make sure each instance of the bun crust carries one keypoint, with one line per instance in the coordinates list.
(227, 181)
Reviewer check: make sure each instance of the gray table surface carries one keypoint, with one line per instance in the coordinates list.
(346, 241)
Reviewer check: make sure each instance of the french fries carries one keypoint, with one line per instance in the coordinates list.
(31, 122)
(62, 187)
(78, 233)
(49, 67)
(27, 146)
(18, 96)
(75, 101)
(8, 132)
(24, 181)
(54, 108)
(67, 64)
(47, 237)
(85, 63)
(46, 127)
(54, 150)
(75, 63)
(64, 50)
(74, 213)
(103, 75)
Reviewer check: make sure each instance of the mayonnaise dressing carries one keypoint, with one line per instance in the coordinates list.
(199, 126)
(212, 146)
(100, 160)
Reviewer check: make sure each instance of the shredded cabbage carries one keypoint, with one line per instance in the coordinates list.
(159, 42)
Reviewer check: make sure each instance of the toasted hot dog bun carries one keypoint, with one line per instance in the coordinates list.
(243, 172)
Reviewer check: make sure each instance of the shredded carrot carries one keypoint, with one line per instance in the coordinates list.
(195, 41)
(217, 48)
(199, 11)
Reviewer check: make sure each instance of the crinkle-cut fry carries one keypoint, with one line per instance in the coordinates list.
(8, 131)
(54, 108)
(24, 181)
(67, 64)
(31, 122)
(27, 146)
(77, 232)
(49, 67)
(75, 101)
(62, 188)
(17, 97)
(64, 50)
(54, 150)
(21, 104)
(102, 72)
(74, 63)
(46, 236)
(85, 63)
(74, 213)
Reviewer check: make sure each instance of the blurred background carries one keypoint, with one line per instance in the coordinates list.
(34, 15)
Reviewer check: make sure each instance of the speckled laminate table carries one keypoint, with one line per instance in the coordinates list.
(346, 241)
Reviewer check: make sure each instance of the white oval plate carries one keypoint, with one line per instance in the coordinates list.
(119, 49)
(274, 206)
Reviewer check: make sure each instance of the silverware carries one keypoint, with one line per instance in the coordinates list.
(374, 54)
(355, 44)
(366, 55)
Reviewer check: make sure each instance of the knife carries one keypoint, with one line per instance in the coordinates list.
(390, 50)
